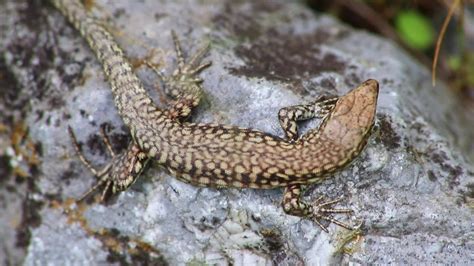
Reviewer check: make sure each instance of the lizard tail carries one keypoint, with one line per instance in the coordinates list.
(131, 98)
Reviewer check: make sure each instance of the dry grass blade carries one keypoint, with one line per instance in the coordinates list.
(440, 39)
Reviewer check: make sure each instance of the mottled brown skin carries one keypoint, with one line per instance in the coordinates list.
(225, 156)
(219, 156)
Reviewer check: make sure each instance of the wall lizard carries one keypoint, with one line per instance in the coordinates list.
(220, 156)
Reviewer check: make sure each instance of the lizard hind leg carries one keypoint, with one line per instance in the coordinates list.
(288, 116)
(183, 85)
(120, 173)
(293, 205)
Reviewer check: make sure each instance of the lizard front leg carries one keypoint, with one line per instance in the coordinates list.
(292, 203)
(120, 173)
(288, 116)
(183, 85)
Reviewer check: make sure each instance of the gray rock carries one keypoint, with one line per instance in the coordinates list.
(413, 185)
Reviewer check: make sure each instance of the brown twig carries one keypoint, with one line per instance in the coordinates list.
(440, 39)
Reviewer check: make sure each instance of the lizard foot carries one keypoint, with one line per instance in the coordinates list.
(322, 211)
(183, 82)
(293, 205)
(120, 173)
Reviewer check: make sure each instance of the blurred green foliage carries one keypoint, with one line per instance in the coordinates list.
(415, 29)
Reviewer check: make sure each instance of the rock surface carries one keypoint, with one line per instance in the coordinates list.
(413, 185)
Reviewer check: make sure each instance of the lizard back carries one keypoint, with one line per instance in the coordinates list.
(227, 156)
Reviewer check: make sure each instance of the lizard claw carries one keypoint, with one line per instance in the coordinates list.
(183, 81)
(120, 173)
(321, 211)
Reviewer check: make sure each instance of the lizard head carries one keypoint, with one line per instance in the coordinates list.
(350, 122)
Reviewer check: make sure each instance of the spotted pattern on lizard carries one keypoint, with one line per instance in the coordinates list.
(221, 156)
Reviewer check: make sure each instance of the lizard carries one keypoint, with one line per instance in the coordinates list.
(222, 156)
